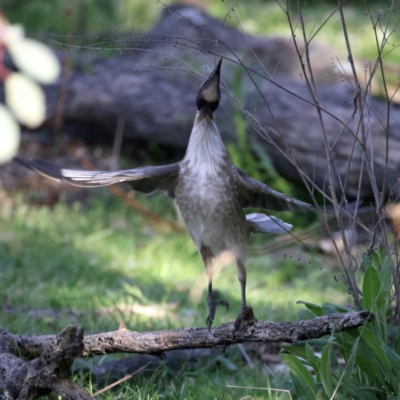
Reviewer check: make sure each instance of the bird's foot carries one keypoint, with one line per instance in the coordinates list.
(212, 306)
(245, 317)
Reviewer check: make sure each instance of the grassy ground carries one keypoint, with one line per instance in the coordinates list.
(92, 256)
(69, 264)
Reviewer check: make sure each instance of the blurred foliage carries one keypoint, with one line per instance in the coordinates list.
(24, 98)
(79, 17)
(267, 18)
(360, 364)
(95, 17)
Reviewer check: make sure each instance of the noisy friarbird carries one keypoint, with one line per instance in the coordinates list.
(210, 191)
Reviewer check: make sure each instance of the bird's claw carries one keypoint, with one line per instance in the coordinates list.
(245, 317)
(237, 323)
(212, 305)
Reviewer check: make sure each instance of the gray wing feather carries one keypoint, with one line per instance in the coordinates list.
(259, 195)
(262, 223)
(143, 179)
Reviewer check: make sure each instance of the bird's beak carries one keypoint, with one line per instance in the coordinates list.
(215, 74)
(210, 93)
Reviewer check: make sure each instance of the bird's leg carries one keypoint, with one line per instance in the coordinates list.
(212, 304)
(242, 279)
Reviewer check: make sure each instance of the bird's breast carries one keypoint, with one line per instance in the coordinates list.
(211, 209)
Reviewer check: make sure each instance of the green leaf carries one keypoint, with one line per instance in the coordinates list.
(372, 289)
(375, 343)
(359, 391)
(311, 357)
(369, 366)
(393, 334)
(305, 315)
(386, 278)
(317, 310)
(296, 350)
(326, 371)
(321, 395)
(393, 357)
(346, 342)
(298, 369)
(301, 388)
(378, 258)
(378, 365)
(330, 308)
(315, 342)
(314, 361)
(347, 372)
(366, 260)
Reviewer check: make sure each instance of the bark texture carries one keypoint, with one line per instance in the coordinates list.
(126, 341)
(26, 380)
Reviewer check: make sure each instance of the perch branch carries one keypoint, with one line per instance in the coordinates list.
(156, 343)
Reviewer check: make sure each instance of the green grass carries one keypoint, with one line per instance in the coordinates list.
(102, 254)
(208, 381)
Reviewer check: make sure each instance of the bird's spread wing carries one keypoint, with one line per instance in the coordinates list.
(143, 179)
(259, 195)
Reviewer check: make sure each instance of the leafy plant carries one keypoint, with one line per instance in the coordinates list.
(361, 364)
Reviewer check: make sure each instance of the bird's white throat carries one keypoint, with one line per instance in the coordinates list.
(206, 153)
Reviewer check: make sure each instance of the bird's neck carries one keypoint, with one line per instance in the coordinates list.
(206, 153)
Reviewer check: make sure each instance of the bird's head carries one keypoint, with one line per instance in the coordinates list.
(210, 92)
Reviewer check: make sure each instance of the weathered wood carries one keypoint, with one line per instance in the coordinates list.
(127, 341)
(26, 380)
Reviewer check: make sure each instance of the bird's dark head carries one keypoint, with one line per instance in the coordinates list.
(210, 92)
